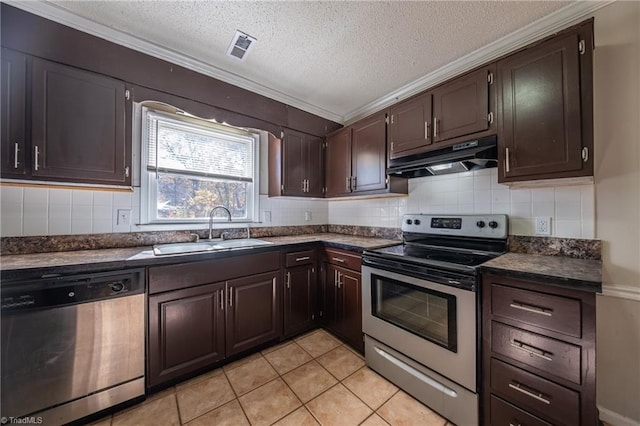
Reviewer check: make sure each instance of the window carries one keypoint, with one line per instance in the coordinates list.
(190, 165)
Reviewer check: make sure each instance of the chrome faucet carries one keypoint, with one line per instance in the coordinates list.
(211, 218)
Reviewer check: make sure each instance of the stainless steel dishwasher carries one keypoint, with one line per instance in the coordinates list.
(71, 345)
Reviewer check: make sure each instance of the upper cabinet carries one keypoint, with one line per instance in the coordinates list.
(357, 160)
(74, 130)
(296, 165)
(545, 99)
(410, 127)
(13, 97)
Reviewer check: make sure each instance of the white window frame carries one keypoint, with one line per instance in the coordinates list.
(148, 181)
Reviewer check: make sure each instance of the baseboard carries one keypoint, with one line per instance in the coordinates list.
(616, 419)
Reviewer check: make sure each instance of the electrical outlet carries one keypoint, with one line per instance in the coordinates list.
(307, 216)
(123, 221)
(543, 225)
(267, 216)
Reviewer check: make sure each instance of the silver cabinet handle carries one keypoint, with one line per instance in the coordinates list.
(37, 158)
(435, 127)
(337, 259)
(354, 183)
(532, 309)
(221, 297)
(339, 279)
(230, 296)
(335, 278)
(506, 160)
(426, 130)
(531, 350)
(288, 279)
(348, 184)
(518, 387)
(300, 259)
(15, 156)
(307, 185)
(391, 118)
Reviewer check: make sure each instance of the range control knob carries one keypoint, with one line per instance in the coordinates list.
(409, 221)
(493, 224)
(480, 224)
(417, 221)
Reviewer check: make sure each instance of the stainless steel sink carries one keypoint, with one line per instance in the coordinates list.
(207, 245)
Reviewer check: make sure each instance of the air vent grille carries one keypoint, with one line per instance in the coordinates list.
(240, 45)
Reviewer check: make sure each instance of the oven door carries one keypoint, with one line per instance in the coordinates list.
(434, 324)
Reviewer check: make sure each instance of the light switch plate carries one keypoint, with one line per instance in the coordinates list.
(123, 221)
(267, 216)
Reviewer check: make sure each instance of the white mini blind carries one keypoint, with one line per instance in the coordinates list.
(185, 147)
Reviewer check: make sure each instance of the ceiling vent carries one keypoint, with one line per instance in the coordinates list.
(240, 45)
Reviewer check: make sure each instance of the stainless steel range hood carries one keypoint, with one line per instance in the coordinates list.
(472, 155)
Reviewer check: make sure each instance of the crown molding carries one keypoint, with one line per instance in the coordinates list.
(62, 16)
(548, 25)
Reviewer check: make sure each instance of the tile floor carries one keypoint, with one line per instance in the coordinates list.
(313, 379)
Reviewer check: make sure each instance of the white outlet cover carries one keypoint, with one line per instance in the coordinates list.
(543, 225)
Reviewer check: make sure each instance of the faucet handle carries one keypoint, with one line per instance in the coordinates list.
(194, 237)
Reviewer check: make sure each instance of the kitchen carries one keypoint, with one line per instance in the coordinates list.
(578, 211)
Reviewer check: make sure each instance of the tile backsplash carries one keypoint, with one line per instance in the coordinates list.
(31, 211)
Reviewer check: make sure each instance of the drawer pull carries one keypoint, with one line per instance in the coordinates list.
(531, 350)
(300, 259)
(337, 259)
(537, 396)
(532, 309)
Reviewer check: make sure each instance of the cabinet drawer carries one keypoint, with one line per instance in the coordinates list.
(533, 393)
(550, 355)
(505, 414)
(555, 313)
(343, 258)
(303, 257)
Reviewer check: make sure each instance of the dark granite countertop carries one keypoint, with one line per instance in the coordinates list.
(29, 266)
(579, 274)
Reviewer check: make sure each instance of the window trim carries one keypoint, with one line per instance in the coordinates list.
(148, 184)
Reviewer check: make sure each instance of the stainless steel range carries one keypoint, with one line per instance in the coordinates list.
(420, 308)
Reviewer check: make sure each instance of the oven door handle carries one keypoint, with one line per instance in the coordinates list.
(409, 369)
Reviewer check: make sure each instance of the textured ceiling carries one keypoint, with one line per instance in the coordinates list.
(336, 56)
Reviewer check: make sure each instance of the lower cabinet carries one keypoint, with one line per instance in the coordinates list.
(341, 296)
(300, 298)
(193, 327)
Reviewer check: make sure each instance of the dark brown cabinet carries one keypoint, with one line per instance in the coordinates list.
(410, 127)
(13, 96)
(464, 107)
(338, 156)
(296, 165)
(300, 292)
(545, 99)
(202, 312)
(341, 296)
(538, 353)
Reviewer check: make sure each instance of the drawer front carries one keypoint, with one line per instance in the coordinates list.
(554, 313)
(550, 355)
(505, 414)
(343, 258)
(535, 394)
(303, 257)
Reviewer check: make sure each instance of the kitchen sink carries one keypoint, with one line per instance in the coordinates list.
(207, 245)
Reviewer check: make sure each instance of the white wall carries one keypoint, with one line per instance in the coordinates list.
(570, 207)
(617, 157)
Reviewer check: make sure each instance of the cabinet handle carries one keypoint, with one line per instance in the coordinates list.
(307, 185)
(288, 279)
(391, 118)
(337, 259)
(339, 279)
(221, 297)
(37, 158)
(532, 309)
(435, 127)
(531, 350)
(300, 259)
(506, 160)
(230, 296)
(518, 387)
(348, 184)
(354, 183)
(426, 130)
(335, 278)
(15, 156)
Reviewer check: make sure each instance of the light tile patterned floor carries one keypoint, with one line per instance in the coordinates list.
(312, 380)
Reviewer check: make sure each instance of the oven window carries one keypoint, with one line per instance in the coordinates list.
(424, 312)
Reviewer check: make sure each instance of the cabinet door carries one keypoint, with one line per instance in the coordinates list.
(461, 107)
(253, 311)
(293, 163)
(539, 92)
(78, 126)
(186, 331)
(410, 127)
(369, 154)
(13, 96)
(339, 163)
(299, 299)
(315, 166)
(327, 294)
(349, 307)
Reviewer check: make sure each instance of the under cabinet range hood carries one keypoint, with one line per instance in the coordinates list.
(462, 157)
